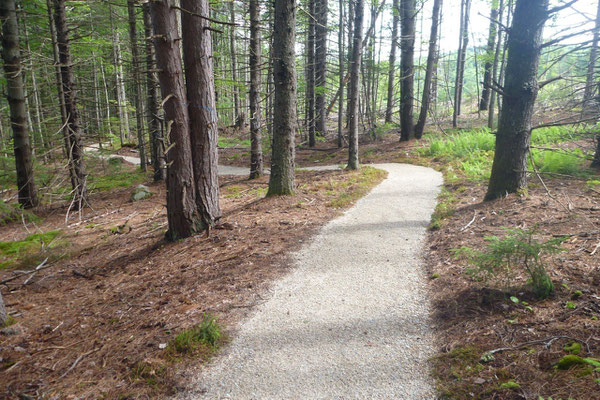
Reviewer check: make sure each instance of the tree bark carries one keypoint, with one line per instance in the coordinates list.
(509, 170)
(156, 140)
(489, 56)
(310, 74)
(353, 162)
(200, 84)
(71, 129)
(341, 38)
(256, 156)
(430, 69)
(239, 119)
(137, 82)
(392, 67)
(282, 180)
(182, 216)
(492, 103)
(15, 93)
(408, 14)
(321, 66)
(461, 58)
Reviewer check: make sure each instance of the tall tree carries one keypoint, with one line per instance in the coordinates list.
(430, 69)
(341, 60)
(310, 74)
(489, 58)
(256, 156)
(355, 65)
(182, 216)
(408, 15)
(392, 63)
(497, 51)
(200, 84)
(239, 118)
(509, 170)
(71, 128)
(15, 93)
(590, 81)
(282, 180)
(137, 82)
(465, 10)
(321, 31)
(156, 140)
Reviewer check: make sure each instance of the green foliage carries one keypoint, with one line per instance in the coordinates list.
(510, 385)
(571, 360)
(233, 142)
(573, 348)
(443, 209)
(561, 162)
(32, 248)
(358, 184)
(12, 212)
(518, 251)
(207, 333)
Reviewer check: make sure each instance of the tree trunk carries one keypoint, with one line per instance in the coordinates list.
(509, 170)
(353, 162)
(321, 66)
(341, 38)
(61, 95)
(461, 58)
(408, 14)
(15, 93)
(182, 216)
(137, 81)
(590, 85)
(256, 156)
(71, 129)
(310, 74)
(489, 57)
(492, 104)
(282, 181)
(156, 140)
(392, 67)
(430, 69)
(200, 84)
(239, 119)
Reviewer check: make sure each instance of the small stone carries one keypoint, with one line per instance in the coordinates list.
(162, 346)
(479, 381)
(11, 330)
(141, 192)
(19, 349)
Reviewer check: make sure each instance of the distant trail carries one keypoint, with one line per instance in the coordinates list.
(351, 321)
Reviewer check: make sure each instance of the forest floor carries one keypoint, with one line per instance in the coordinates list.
(105, 315)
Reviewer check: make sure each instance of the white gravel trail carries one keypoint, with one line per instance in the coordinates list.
(351, 321)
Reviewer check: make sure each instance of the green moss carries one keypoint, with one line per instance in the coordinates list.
(31, 250)
(569, 361)
(573, 348)
(510, 385)
(12, 212)
(9, 321)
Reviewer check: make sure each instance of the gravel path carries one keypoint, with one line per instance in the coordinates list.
(351, 321)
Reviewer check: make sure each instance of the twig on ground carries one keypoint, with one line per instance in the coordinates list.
(77, 361)
(21, 273)
(546, 342)
(470, 223)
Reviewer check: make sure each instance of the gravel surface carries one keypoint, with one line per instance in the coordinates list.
(351, 321)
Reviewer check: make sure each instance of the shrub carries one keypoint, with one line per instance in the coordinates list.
(518, 251)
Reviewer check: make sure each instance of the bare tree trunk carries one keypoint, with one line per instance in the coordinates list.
(120, 84)
(15, 93)
(489, 57)
(341, 37)
(71, 129)
(256, 156)
(492, 103)
(321, 66)
(156, 140)
(357, 44)
(137, 81)
(590, 85)
(239, 119)
(282, 180)
(392, 67)
(200, 84)
(408, 14)
(509, 170)
(461, 58)
(432, 60)
(182, 215)
(310, 74)
(61, 95)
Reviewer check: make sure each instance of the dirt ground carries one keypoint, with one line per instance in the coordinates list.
(94, 324)
(473, 318)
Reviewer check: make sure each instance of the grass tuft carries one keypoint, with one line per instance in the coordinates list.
(208, 334)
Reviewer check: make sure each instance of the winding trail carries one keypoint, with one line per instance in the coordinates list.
(351, 321)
